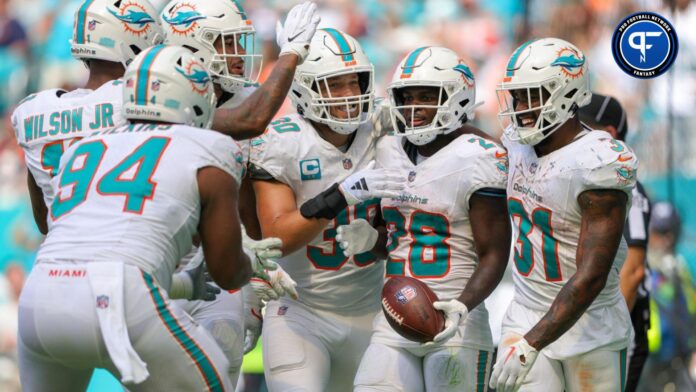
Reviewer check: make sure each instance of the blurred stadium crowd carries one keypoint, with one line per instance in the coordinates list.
(35, 55)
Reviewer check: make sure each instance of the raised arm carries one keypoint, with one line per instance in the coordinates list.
(251, 117)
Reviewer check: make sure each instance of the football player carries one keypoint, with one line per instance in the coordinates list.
(445, 228)
(569, 189)
(127, 203)
(313, 171)
(107, 35)
(222, 37)
(606, 113)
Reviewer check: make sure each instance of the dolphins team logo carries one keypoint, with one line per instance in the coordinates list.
(134, 18)
(467, 75)
(570, 62)
(625, 174)
(197, 75)
(183, 18)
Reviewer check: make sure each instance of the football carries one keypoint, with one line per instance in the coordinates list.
(408, 306)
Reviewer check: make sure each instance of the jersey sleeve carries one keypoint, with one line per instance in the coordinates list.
(17, 118)
(610, 164)
(218, 150)
(487, 171)
(274, 149)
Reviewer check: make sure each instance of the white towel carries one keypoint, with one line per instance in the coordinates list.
(107, 280)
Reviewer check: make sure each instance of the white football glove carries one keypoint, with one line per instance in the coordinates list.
(278, 285)
(253, 320)
(357, 237)
(370, 183)
(194, 283)
(300, 26)
(455, 315)
(262, 253)
(380, 118)
(512, 366)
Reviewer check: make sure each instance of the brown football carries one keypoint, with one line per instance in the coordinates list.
(407, 304)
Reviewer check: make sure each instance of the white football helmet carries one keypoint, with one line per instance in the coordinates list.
(114, 30)
(197, 24)
(432, 67)
(553, 70)
(168, 84)
(333, 53)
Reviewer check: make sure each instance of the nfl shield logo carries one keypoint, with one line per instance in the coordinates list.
(103, 301)
(155, 85)
(282, 310)
(406, 294)
(411, 176)
(347, 164)
(91, 25)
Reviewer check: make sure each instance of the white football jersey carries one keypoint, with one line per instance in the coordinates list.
(293, 153)
(430, 235)
(546, 217)
(131, 194)
(46, 123)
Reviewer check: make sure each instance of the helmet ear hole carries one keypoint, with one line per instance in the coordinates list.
(197, 109)
(135, 49)
(571, 93)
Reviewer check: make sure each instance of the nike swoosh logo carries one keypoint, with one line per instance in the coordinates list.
(290, 39)
(625, 159)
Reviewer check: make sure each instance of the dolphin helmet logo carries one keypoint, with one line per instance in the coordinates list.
(134, 18)
(570, 62)
(467, 75)
(196, 74)
(625, 174)
(183, 18)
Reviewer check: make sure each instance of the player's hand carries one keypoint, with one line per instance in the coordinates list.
(300, 25)
(262, 254)
(370, 183)
(278, 285)
(381, 118)
(455, 315)
(198, 273)
(512, 366)
(253, 320)
(357, 237)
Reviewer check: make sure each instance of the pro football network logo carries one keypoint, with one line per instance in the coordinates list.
(570, 61)
(645, 45)
(197, 76)
(183, 18)
(133, 17)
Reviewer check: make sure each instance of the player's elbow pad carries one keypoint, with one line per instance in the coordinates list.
(325, 205)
